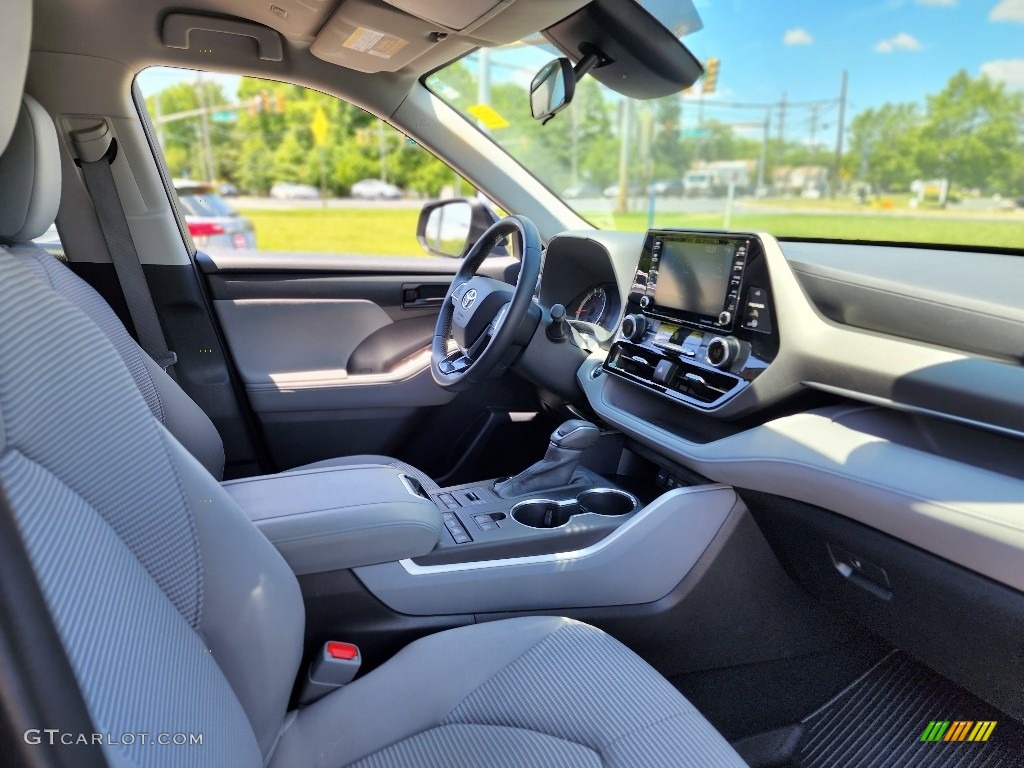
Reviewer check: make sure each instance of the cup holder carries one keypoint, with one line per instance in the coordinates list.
(606, 501)
(546, 513)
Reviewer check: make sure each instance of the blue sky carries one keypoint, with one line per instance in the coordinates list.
(894, 50)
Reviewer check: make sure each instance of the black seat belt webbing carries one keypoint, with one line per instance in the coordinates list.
(99, 180)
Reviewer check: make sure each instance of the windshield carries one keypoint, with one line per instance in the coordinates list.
(891, 121)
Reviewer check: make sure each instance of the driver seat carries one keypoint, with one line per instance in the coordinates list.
(30, 180)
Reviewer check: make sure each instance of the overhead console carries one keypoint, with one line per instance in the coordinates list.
(700, 322)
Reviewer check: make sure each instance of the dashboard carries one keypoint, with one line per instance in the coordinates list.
(855, 391)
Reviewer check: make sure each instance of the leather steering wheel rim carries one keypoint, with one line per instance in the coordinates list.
(503, 330)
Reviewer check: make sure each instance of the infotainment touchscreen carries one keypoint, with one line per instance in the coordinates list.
(692, 274)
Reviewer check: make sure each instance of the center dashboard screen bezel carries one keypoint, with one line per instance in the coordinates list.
(650, 264)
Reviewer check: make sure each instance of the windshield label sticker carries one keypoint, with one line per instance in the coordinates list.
(374, 43)
(488, 116)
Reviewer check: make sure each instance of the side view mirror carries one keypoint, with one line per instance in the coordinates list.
(450, 227)
(552, 89)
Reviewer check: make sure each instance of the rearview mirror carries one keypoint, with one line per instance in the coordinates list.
(450, 227)
(552, 89)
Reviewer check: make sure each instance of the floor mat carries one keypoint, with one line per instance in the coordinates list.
(902, 715)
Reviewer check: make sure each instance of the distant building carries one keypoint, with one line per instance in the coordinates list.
(810, 181)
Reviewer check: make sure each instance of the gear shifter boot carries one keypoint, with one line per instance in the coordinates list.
(556, 469)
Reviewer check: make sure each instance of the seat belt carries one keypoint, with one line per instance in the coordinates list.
(99, 181)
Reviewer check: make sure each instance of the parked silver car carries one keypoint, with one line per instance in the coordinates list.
(375, 189)
(286, 190)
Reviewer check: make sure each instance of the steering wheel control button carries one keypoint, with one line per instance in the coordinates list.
(722, 351)
(757, 315)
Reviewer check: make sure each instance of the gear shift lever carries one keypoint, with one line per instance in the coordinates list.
(559, 463)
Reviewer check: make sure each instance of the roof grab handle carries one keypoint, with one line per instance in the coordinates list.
(179, 26)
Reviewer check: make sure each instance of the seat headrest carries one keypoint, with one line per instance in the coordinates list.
(29, 175)
(15, 39)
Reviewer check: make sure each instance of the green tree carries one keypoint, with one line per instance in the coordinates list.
(972, 134)
(886, 143)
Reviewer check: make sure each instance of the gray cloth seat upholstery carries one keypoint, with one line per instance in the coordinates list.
(179, 617)
(30, 185)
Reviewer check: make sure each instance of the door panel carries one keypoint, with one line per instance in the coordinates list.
(334, 350)
(276, 340)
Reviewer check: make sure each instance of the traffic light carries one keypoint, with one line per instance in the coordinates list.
(711, 76)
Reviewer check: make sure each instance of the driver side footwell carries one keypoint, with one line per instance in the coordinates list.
(879, 722)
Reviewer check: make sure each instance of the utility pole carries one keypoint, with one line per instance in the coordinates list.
(839, 136)
(574, 157)
(380, 151)
(204, 128)
(761, 170)
(814, 131)
(782, 121)
(483, 82)
(626, 130)
(159, 119)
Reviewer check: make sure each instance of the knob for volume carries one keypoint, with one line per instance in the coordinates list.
(725, 318)
(723, 350)
(634, 327)
(645, 302)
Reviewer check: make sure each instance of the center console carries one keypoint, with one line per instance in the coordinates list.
(481, 525)
(700, 325)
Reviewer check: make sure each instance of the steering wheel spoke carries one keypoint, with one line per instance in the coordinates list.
(454, 363)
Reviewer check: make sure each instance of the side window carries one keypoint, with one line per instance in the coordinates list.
(259, 164)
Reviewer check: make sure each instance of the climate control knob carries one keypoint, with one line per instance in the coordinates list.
(723, 351)
(633, 327)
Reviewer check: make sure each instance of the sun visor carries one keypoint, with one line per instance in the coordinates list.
(645, 59)
(490, 22)
(455, 16)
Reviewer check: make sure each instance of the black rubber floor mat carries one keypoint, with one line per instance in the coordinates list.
(903, 715)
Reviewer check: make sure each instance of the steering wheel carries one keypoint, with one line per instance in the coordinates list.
(481, 315)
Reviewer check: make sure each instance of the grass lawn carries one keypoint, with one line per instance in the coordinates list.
(376, 231)
(392, 231)
(891, 227)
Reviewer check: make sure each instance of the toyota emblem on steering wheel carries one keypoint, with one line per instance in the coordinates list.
(469, 298)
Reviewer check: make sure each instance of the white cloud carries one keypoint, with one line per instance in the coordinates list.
(946, 3)
(1008, 10)
(1007, 71)
(797, 36)
(902, 42)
